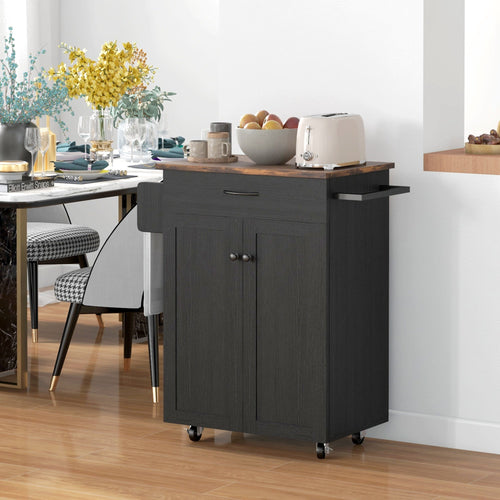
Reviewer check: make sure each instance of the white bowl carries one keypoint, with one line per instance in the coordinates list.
(268, 147)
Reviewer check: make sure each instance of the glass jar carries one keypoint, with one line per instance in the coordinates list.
(101, 135)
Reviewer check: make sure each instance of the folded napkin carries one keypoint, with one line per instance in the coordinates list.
(80, 164)
(170, 142)
(175, 152)
(65, 147)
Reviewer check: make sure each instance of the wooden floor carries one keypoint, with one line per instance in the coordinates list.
(100, 436)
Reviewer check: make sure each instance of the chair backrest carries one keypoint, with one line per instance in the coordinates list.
(53, 213)
(117, 276)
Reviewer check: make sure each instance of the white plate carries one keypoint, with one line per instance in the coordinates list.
(87, 175)
(69, 155)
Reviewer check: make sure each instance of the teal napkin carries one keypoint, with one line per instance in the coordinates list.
(175, 152)
(65, 147)
(170, 142)
(80, 164)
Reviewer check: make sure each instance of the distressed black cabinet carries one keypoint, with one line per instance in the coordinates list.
(276, 297)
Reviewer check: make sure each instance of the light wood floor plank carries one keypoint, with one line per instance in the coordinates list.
(100, 436)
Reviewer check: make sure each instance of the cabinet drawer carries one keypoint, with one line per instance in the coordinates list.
(245, 195)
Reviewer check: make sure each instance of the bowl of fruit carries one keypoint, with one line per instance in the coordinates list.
(484, 144)
(265, 139)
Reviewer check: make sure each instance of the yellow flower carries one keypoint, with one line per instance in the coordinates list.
(104, 81)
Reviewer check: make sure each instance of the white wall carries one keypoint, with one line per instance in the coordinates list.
(229, 57)
(482, 73)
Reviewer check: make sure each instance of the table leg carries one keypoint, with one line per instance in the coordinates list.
(13, 301)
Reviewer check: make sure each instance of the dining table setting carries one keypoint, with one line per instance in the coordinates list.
(73, 179)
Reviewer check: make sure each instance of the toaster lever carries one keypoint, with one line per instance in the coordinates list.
(307, 154)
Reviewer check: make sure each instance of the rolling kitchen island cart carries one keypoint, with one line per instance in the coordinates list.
(275, 297)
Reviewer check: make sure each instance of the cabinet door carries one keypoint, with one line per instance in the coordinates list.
(203, 322)
(285, 329)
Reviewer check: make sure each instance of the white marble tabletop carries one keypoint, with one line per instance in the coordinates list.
(68, 192)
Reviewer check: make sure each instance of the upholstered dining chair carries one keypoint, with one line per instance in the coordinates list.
(53, 239)
(115, 283)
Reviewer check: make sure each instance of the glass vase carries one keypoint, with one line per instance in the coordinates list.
(150, 142)
(101, 136)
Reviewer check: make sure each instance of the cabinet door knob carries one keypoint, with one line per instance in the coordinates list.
(246, 258)
(233, 256)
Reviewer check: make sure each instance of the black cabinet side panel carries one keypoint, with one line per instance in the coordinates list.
(359, 324)
(150, 206)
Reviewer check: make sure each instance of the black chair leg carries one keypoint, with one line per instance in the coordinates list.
(153, 322)
(128, 333)
(69, 328)
(83, 262)
(33, 293)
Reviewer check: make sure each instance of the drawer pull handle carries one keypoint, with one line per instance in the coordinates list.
(241, 193)
(233, 257)
(246, 258)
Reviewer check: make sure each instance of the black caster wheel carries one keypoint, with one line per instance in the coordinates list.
(321, 450)
(357, 438)
(194, 432)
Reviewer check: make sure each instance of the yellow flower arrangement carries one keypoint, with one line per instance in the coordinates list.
(104, 81)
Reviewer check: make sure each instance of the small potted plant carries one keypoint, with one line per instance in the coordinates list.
(24, 97)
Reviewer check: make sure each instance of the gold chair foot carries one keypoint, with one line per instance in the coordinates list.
(53, 383)
(100, 322)
(156, 393)
(126, 363)
(34, 335)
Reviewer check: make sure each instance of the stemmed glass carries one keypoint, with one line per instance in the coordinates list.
(44, 145)
(32, 144)
(162, 130)
(141, 134)
(130, 132)
(84, 131)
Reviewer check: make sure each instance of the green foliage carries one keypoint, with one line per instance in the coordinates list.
(146, 103)
(30, 95)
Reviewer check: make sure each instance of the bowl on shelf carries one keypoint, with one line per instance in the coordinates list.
(482, 149)
(268, 147)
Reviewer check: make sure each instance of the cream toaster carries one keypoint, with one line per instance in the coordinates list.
(329, 141)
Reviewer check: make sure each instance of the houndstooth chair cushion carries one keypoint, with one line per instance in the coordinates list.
(70, 287)
(48, 240)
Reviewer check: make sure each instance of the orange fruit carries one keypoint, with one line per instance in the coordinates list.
(272, 125)
(261, 116)
(247, 119)
(252, 125)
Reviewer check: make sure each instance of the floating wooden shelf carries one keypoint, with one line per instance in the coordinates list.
(457, 160)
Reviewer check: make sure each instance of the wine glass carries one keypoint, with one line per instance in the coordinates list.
(32, 144)
(44, 145)
(162, 130)
(130, 132)
(84, 131)
(140, 137)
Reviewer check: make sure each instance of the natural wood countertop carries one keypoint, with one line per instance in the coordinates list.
(246, 167)
(457, 160)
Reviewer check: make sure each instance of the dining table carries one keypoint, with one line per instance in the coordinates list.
(121, 182)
